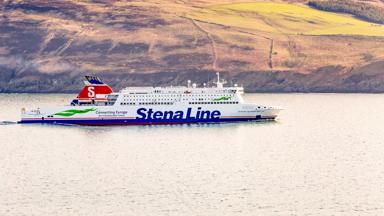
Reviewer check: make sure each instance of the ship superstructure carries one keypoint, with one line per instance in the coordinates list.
(97, 104)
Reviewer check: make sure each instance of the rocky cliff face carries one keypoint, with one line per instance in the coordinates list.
(46, 46)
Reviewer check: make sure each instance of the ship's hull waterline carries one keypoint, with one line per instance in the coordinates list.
(117, 122)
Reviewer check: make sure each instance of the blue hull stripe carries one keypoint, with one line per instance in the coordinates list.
(102, 122)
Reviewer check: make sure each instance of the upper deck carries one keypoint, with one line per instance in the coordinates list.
(181, 90)
(190, 94)
(176, 95)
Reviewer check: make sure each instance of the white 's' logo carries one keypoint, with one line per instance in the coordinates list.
(91, 92)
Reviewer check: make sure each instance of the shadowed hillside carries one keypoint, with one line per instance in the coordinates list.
(362, 10)
(46, 46)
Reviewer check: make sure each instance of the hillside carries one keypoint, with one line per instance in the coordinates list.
(362, 10)
(274, 46)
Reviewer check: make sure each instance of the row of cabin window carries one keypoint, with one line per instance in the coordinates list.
(148, 103)
(178, 95)
(169, 99)
(159, 92)
(127, 103)
(156, 103)
(225, 102)
(146, 99)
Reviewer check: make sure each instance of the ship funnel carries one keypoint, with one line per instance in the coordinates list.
(94, 90)
(92, 80)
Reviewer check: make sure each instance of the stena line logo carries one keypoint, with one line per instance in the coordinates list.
(190, 114)
(91, 91)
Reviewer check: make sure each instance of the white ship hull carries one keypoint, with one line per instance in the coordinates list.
(143, 115)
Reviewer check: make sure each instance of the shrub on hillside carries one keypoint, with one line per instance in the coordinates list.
(361, 10)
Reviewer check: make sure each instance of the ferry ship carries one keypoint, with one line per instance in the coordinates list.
(98, 105)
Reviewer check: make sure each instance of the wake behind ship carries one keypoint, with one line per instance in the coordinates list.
(97, 104)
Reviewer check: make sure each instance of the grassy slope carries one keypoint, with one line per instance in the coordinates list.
(139, 37)
(286, 19)
(302, 36)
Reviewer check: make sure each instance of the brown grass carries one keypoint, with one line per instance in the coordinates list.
(233, 49)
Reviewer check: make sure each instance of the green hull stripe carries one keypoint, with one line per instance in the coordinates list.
(222, 98)
(72, 112)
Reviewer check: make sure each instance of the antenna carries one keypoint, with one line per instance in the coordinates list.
(218, 84)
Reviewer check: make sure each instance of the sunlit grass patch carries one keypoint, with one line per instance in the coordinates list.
(287, 19)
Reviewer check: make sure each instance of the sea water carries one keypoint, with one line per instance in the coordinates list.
(323, 156)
